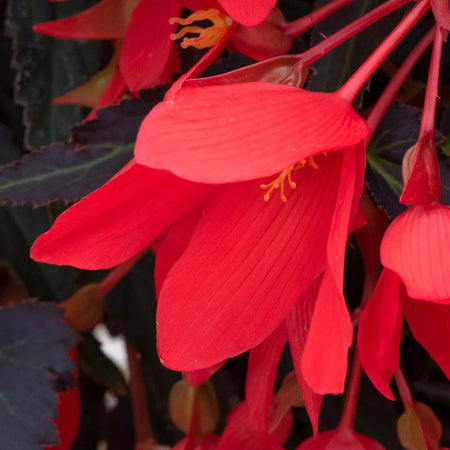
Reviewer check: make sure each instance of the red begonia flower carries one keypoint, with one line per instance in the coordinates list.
(220, 134)
(416, 247)
(118, 220)
(246, 267)
(238, 435)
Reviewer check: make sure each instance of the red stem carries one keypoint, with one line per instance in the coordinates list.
(353, 85)
(431, 93)
(351, 399)
(396, 82)
(299, 26)
(316, 52)
(115, 276)
(138, 397)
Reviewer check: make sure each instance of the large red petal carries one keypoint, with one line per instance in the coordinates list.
(380, 330)
(261, 371)
(324, 361)
(430, 325)
(416, 246)
(218, 134)
(118, 220)
(245, 267)
(147, 45)
(248, 12)
(297, 324)
(108, 19)
(174, 246)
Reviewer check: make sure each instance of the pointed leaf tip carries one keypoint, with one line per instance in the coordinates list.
(220, 134)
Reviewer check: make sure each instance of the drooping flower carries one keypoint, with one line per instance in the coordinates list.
(415, 283)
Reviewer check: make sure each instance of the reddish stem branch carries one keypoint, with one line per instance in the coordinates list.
(316, 52)
(351, 399)
(353, 85)
(138, 397)
(299, 26)
(115, 276)
(431, 93)
(396, 82)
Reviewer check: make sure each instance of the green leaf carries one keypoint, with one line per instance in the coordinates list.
(34, 367)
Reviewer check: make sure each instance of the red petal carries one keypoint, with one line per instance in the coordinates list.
(174, 246)
(237, 434)
(380, 330)
(416, 246)
(430, 324)
(219, 134)
(324, 361)
(245, 267)
(248, 12)
(117, 220)
(108, 19)
(337, 440)
(147, 46)
(441, 13)
(297, 324)
(261, 371)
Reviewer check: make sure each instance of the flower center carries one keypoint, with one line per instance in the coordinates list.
(278, 183)
(207, 37)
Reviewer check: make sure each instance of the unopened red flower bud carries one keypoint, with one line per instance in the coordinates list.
(265, 40)
(417, 422)
(84, 309)
(194, 403)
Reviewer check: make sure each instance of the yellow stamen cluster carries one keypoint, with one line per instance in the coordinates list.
(278, 183)
(207, 37)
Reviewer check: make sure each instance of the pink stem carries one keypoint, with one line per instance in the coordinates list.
(351, 399)
(299, 26)
(138, 398)
(431, 94)
(396, 82)
(316, 52)
(407, 399)
(116, 275)
(351, 88)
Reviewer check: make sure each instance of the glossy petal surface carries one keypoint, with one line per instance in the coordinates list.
(380, 330)
(117, 220)
(219, 134)
(417, 247)
(245, 267)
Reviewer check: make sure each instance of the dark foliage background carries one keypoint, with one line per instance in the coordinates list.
(43, 172)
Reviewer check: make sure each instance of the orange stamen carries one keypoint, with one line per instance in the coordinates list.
(278, 183)
(207, 37)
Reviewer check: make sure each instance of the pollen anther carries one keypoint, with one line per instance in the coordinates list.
(278, 183)
(207, 37)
